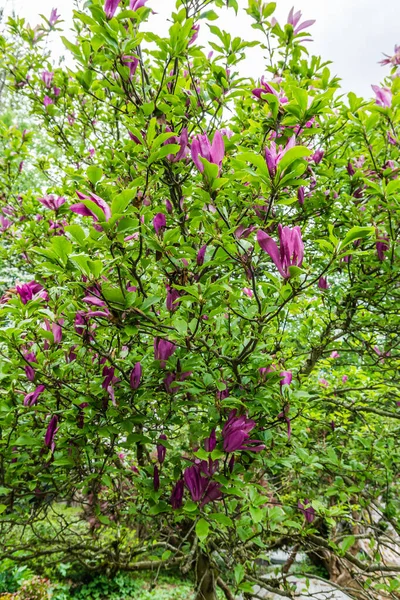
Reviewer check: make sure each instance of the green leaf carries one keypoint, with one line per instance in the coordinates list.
(202, 529)
(357, 233)
(3, 507)
(347, 543)
(239, 573)
(121, 201)
(94, 174)
(291, 155)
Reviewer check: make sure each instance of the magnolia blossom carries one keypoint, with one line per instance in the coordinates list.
(248, 292)
(84, 211)
(286, 378)
(52, 202)
(161, 449)
(300, 195)
(294, 18)
(274, 155)
(136, 376)
(47, 101)
(163, 350)
(177, 494)
(323, 283)
(382, 246)
(136, 4)
(307, 510)
(30, 291)
(200, 255)
(291, 251)
(392, 60)
(131, 62)
(54, 17)
(159, 222)
(267, 88)
(47, 78)
(213, 153)
(383, 96)
(182, 141)
(317, 156)
(236, 434)
(110, 6)
(195, 29)
(31, 398)
(51, 432)
(210, 442)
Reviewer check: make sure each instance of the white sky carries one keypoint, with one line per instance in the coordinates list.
(351, 33)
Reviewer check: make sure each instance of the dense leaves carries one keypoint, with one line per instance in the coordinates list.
(204, 356)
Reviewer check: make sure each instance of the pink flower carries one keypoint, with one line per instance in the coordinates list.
(52, 202)
(291, 251)
(274, 155)
(383, 96)
(294, 18)
(335, 354)
(213, 153)
(248, 292)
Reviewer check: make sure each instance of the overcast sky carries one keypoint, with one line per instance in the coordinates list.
(351, 33)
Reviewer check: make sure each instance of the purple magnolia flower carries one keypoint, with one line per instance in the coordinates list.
(30, 372)
(173, 296)
(345, 378)
(323, 283)
(136, 376)
(47, 78)
(156, 479)
(213, 492)
(182, 140)
(163, 350)
(5, 223)
(159, 222)
(168, 206)
(161, 450)
(335, 354)
(54, 17)
(51, 432)
(317, 156)
(383, 96)
(132, 62)
(195, 483)
(300, 195)
(286, 378)
(57, 331)
(195, 35)
(84, 211)
(52, 202)
(244, 232)
(274, 155)
(30, 291)
(47, 101)
(236, 434)
(110, 6)
(307, 510)
(32, 398)
(350, 169)
(210, 442)
(136, 4)
(294, 18)
(177, 494)
(291, 251)
(267, 88)
(392, 60)
(213, 153)
(200, 255)
(382, 246)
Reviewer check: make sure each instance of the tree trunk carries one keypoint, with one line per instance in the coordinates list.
(205, 579)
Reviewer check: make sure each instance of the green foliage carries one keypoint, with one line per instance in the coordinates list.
(212, 262)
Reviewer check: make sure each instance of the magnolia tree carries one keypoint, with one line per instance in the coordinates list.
(203, 362)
